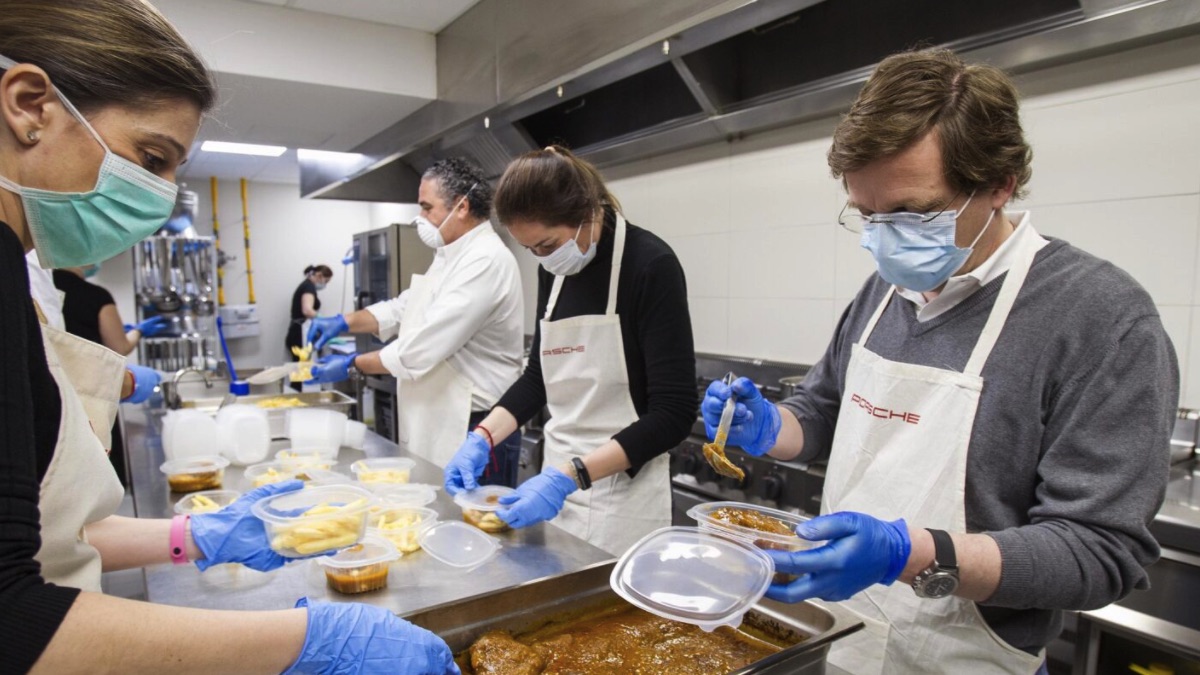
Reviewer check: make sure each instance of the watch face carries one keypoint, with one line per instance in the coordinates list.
(940, 586)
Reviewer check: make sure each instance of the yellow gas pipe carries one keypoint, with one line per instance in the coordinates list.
(217, 244)
(246, 235)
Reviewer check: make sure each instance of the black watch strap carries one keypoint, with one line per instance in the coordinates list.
(585, 481)
(943, 550)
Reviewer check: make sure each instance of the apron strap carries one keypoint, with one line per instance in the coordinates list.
(1013, 281)
(870, 328)
(615, 277)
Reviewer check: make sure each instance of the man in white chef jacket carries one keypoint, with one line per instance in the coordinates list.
(458, 329)
(995, 406)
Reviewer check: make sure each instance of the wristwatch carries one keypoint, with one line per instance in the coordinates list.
(940, 579)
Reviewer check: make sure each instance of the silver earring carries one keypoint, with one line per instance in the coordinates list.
(31, 135)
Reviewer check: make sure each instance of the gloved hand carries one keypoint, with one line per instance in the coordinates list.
(325, 328)
(150, 327)
(144, 381)
(466, 466)
(756, 421)
(862, 551)
(537, 499)
(352, 637)
(332, 368)
(234, 534)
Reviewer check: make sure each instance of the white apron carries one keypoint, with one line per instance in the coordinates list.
(432, 412)
(587, 393)
(80, 486)
(887, 463)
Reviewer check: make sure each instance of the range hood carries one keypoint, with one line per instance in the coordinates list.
(740, 67)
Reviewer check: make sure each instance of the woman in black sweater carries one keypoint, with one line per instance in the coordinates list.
(612, 358)
(305, 304)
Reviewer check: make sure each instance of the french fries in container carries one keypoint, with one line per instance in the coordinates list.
(315, 520)
(401, 525)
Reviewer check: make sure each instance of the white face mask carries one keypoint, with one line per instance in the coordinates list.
(568, 259)
(430, 234)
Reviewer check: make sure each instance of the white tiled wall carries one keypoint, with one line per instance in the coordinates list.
(1116, 145)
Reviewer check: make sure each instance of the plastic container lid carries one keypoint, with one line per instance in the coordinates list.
(318, 477)
(693, 576)
(372, 550)
(293, 460)
(705, 516)
(185, 465)
(458, 544)
(484, 498)
(195, 502)
(412, 495)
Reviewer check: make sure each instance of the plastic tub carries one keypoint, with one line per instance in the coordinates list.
(764, 527)
(188, 433)
(479, 507)
(208, 501)
(401, 525)
(379, 471)
(319, 477)
(314, 521)
(296, 461)
(267, 473)
(244, 434)
(361, 568)
(458, 544)
(194, 474)
(413, 495)
(693, 575)
(316, 430)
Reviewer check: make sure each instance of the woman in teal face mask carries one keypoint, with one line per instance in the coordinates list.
(99, 102)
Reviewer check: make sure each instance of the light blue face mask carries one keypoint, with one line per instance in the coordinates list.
(916, 251)
(72, 229)
(90, 271)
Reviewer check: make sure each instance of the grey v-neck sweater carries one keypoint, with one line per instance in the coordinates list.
(1068, 458)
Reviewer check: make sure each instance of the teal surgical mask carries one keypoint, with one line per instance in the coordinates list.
(73, 229)
(90, 271)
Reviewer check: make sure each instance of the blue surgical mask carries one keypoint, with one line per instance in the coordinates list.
(916, 251)
(568, 259)
(72, 229)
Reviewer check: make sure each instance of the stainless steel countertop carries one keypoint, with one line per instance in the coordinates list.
(1177, 524)
(416, 581)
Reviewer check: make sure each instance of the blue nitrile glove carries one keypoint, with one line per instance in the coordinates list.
(756, 422)
(150, 327)
(862, 551)
(466, 466)
(325, 328)
(352, 637)
(332, 368)
(537, 499)
(144, 381)
(235, 535)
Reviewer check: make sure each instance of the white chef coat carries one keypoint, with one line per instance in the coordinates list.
(1024, 239)
(475, 319)
(43, 290)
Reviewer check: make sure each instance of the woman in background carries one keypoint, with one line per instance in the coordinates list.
(305, 304)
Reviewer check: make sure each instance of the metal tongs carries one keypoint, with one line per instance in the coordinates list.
(714, 452)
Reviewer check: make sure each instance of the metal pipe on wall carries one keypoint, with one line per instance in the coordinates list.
(217, 243)
(246, 236)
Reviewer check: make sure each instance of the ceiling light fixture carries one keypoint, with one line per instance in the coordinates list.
(243, 148)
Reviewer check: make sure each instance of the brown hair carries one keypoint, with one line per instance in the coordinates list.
(105, 52)
(318, 269)
(973, 108)
(552, 187)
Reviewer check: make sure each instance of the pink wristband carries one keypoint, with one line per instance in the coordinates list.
(179, 540)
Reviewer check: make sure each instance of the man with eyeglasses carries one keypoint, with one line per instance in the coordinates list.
(459, 328)
(995, 406)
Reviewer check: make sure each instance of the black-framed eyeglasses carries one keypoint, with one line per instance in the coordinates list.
(855, 222)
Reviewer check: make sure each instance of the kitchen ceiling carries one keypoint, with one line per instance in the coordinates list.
(314, 74)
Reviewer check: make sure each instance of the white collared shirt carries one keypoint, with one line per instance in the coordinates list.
(475, 319)
(1024, 238)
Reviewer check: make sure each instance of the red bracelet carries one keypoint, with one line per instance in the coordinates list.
(178, 549)
(490, 440)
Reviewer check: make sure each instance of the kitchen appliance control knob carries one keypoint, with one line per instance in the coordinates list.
(771, 486)
(688, 463)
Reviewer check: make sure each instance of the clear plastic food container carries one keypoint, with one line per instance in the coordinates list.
(407, 494)
(361, 568)
(208, 501)
(267, 473)
(401, 525)
(479, 507)
(458, 544)
(194, 474)
(379, 471)
(692, 575)
(315, 520)
(318, 477)
(762, 526)
(296, 461)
